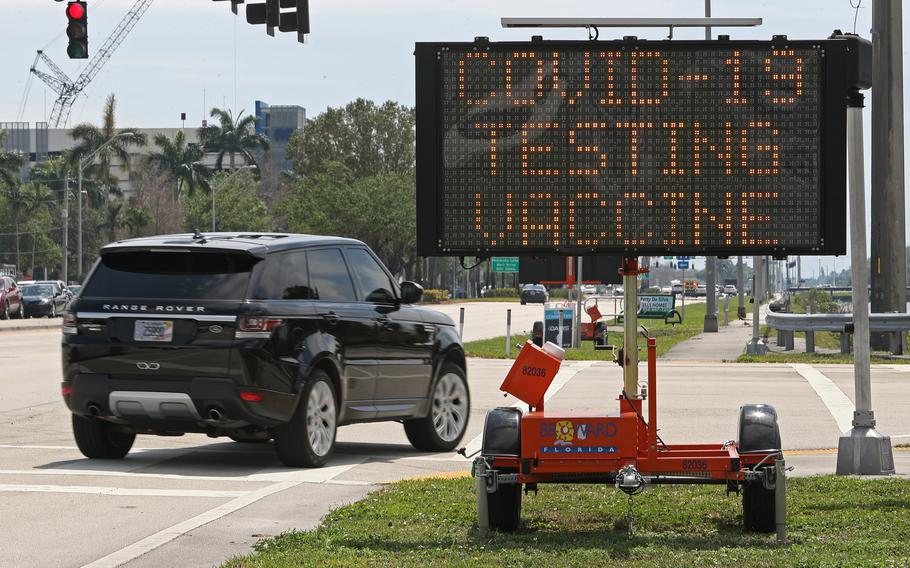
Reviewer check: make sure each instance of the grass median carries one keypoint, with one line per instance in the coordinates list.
(667, 336)
(833, 521)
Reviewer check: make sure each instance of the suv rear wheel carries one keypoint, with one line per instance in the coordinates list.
(98, 439)
(309, 438)
(450, 407)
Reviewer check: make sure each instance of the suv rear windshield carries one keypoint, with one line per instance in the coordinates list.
(171, 275)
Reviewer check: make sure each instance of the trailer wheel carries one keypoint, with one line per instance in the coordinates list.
(759, 432)
(758, 508)
(502, 437)
(504, 506)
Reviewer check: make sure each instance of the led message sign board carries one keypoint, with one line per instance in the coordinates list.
(633, 147)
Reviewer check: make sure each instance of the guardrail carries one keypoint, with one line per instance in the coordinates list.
(786, 324)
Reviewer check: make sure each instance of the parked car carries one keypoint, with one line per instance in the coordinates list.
(730, 289)
(589, 289)
(60, 284)
(74, 288)
(10, 299)
(534, 293)
(618, 291)
(43, 300)
(701, 290)
(256, 336)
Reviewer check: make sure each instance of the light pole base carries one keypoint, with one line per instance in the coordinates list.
(864, 451)
(710, 323)
(756, 347)
(741, 312)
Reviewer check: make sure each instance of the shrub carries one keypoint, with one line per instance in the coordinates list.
(501, 293)
(432, 296)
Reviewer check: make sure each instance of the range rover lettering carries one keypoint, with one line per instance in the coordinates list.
(256, 337)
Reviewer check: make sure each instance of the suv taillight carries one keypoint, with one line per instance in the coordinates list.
(256, 326)
(69, 324)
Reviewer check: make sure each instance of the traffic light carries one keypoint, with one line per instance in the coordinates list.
(295, 19)
(77, 30)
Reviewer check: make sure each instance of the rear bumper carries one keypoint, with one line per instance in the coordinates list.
(178, 405)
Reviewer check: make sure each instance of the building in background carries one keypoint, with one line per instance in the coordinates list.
(278, 123)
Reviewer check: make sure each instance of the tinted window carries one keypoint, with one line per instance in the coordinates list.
(375, 285)
(38, 290)
(284, 278)
(329, 276)
(171, 275)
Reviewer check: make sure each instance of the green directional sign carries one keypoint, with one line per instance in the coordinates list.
(505, 264)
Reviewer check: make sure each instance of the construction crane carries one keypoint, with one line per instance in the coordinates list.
(68, 90)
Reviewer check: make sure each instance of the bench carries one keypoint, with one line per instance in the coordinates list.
(657, 306)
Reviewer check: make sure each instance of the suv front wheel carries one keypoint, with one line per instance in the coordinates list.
(450, 407)
(309, 438)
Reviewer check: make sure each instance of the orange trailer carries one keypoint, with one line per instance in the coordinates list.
(522, 450)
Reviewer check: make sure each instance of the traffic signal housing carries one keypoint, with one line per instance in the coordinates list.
(77, 30)
(286, 15)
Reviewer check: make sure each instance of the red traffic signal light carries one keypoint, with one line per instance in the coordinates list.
(77, 30)
(75, 11)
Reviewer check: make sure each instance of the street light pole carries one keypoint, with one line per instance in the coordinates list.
(83, 162)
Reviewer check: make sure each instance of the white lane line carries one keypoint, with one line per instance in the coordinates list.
(566, 372)
(171, 476)
(165, 536)
(840, 407)
(117, 491)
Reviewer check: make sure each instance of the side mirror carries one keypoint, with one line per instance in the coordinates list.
(411, 292)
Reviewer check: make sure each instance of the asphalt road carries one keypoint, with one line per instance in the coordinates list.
(195, 501)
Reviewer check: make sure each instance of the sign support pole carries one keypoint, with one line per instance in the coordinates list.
(756, 346)
(630, 272)
(862, 450)
(741, 289)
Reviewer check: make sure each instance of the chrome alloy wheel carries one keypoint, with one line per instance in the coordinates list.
(320, 418)
(450, 405)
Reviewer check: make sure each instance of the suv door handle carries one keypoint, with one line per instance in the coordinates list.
(384, 321)
(330, 317)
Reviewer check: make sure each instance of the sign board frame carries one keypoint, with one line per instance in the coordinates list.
(841, 68)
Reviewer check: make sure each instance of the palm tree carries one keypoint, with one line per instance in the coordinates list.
(233, 137)
(182, 161)
(135, 219)
(90, 137)
(10, 163)
(113, 219)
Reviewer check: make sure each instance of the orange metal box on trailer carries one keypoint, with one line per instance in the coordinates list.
(533, 371)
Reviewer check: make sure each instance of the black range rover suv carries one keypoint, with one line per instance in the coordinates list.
(256, 336)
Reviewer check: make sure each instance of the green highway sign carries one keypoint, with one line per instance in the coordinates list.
(505, 264)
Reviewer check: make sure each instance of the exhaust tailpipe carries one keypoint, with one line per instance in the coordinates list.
(215, 414)
(94, 410)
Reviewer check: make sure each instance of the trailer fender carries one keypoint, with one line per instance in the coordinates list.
(758, 429)
(502, 432)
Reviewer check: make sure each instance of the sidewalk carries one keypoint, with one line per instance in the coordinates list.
(725, 345)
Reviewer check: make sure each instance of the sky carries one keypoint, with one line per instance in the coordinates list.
(187, 56)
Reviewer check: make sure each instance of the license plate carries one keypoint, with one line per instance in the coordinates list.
(153, 330)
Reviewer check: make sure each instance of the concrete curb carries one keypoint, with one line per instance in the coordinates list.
(26, 325)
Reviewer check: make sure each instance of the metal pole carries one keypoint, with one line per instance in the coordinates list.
(213, 209)
(862, 450)
(480, 491)
(741, 289)
(460, 323)
(756, 346)
(889, 272)
(707, 15)
(684, 293)
(710, 294)
(66, 226)
(508, 333)
(79, 226)
(799, 271)
(780, 498)
(630, 327)
(576, 331)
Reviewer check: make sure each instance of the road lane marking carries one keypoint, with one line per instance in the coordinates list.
(840, 407)
(165, 536)
(166, 476)
(117, 491)
(568, 370)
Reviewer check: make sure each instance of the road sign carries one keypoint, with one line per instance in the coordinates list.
(505, 264)
(669, 257)
(633, 147)
(682, 264)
